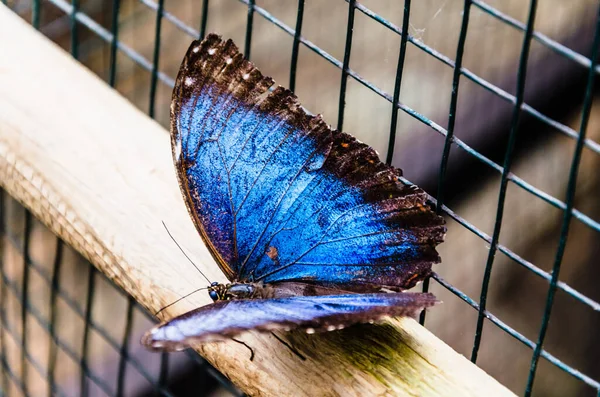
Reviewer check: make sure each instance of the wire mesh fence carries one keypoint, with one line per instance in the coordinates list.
(57, 335)
(85, 26)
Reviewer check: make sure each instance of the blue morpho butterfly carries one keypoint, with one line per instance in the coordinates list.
(311, 228)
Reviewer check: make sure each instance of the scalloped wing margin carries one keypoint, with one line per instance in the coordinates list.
(279, 196)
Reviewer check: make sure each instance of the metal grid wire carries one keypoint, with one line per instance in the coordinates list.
(129, 363)
(589, 61)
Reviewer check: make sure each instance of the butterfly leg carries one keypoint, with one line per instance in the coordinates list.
(248, 347)
(292, 349)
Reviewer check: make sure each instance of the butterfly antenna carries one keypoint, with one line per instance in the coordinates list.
(180, 299)
(181, 249)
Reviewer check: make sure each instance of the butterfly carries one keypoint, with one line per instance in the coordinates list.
(313, 231)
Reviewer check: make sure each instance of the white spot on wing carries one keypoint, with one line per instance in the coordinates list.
(228, 61)
(245, 76)
(196, 49)
(331, 328)
(188, 81)
(177, 149)
(212, 51)
(310, 330)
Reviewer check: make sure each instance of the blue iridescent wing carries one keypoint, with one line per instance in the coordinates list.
(226, 319)
(279, 196)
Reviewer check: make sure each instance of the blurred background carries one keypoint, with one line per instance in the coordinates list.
(366, 37)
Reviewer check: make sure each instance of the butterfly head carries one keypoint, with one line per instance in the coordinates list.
(221, 292)
(217, 291)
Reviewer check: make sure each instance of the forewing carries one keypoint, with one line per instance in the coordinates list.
(278, 196)
(226, 319)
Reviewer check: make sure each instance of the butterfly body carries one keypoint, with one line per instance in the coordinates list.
(310, 227)
(241, 290)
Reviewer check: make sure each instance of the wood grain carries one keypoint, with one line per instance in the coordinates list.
(98, 173)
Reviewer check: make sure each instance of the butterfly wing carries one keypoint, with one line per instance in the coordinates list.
(225, 319)
(279, 196)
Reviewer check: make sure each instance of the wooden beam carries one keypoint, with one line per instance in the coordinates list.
(98, 173)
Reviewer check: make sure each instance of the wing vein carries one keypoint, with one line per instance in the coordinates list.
(290, 132)
(312, 247)
(276, 209)
(263, 167)
(235, 248)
